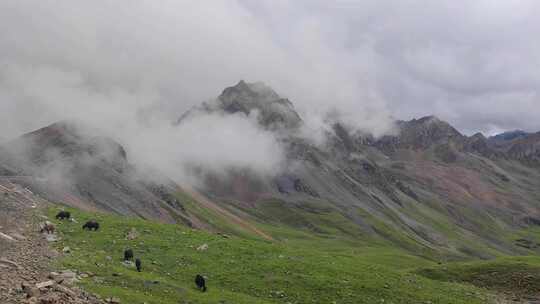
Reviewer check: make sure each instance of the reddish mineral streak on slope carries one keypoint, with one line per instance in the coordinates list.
(201, 199)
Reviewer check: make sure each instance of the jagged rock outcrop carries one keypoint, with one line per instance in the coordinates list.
(508, 136)
(478, 143)
(273, 111)
(420, 134)
(526, 149)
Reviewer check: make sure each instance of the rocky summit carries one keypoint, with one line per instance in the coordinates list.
(272, 111)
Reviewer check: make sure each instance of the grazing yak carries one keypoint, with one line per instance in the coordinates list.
(63, 215)
(138, 264)
(128, 254)
(200, 282)
(47, 227)
(91, 225)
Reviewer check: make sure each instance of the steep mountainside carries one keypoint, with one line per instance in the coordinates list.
(68, 163)
(508, 136)
(428, 189)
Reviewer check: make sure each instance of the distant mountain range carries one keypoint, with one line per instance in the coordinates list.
(509, 135)
(428, 188)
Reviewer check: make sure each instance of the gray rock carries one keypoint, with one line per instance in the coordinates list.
(132, 234)
(203, 247)
(45, 284)
(113, 300)
(31, 291)
(128, 264)
(51, 237)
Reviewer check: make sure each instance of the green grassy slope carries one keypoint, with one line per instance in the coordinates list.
(518, 276)
(243, 270)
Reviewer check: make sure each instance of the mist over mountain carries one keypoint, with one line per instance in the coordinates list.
(279, 151)
(248, 153)
(112, 64)
(132, 71)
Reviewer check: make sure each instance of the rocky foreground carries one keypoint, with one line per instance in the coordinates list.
(26, 275)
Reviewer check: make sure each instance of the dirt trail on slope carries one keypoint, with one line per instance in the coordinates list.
(25, 255)
(225, 213)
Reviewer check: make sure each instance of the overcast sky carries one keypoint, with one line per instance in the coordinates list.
(473, 63)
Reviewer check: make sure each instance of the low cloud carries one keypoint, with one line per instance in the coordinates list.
(131, 70)
(214, 142)
(474, 64)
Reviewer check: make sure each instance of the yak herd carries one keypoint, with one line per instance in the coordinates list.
(90, 225)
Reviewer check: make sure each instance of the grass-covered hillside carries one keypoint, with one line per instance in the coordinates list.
(240, 270)
(518, 277)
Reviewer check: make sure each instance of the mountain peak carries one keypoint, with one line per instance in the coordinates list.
(430, 128)
(421, 133)
(245, 97)
(431, 121)
(509, 135)
(273, 111)
(67, 140)
(478, 136)
(428, 119)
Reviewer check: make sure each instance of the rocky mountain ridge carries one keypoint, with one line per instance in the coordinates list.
(427, 188)
(428, 171)
(417, 134)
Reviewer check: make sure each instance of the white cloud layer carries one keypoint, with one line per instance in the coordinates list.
(133, 67)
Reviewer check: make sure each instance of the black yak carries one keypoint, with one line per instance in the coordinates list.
(128, 254)
(91, 225)
(63, 215)
(138, 264)
(200, 282)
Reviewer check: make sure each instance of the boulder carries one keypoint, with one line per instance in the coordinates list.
(31, 291)
(65, 290)
(203, 247)
(132, 234)
(68, 277)
(113, 300)
(51, 237)
(45, 284)
(128, 264)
